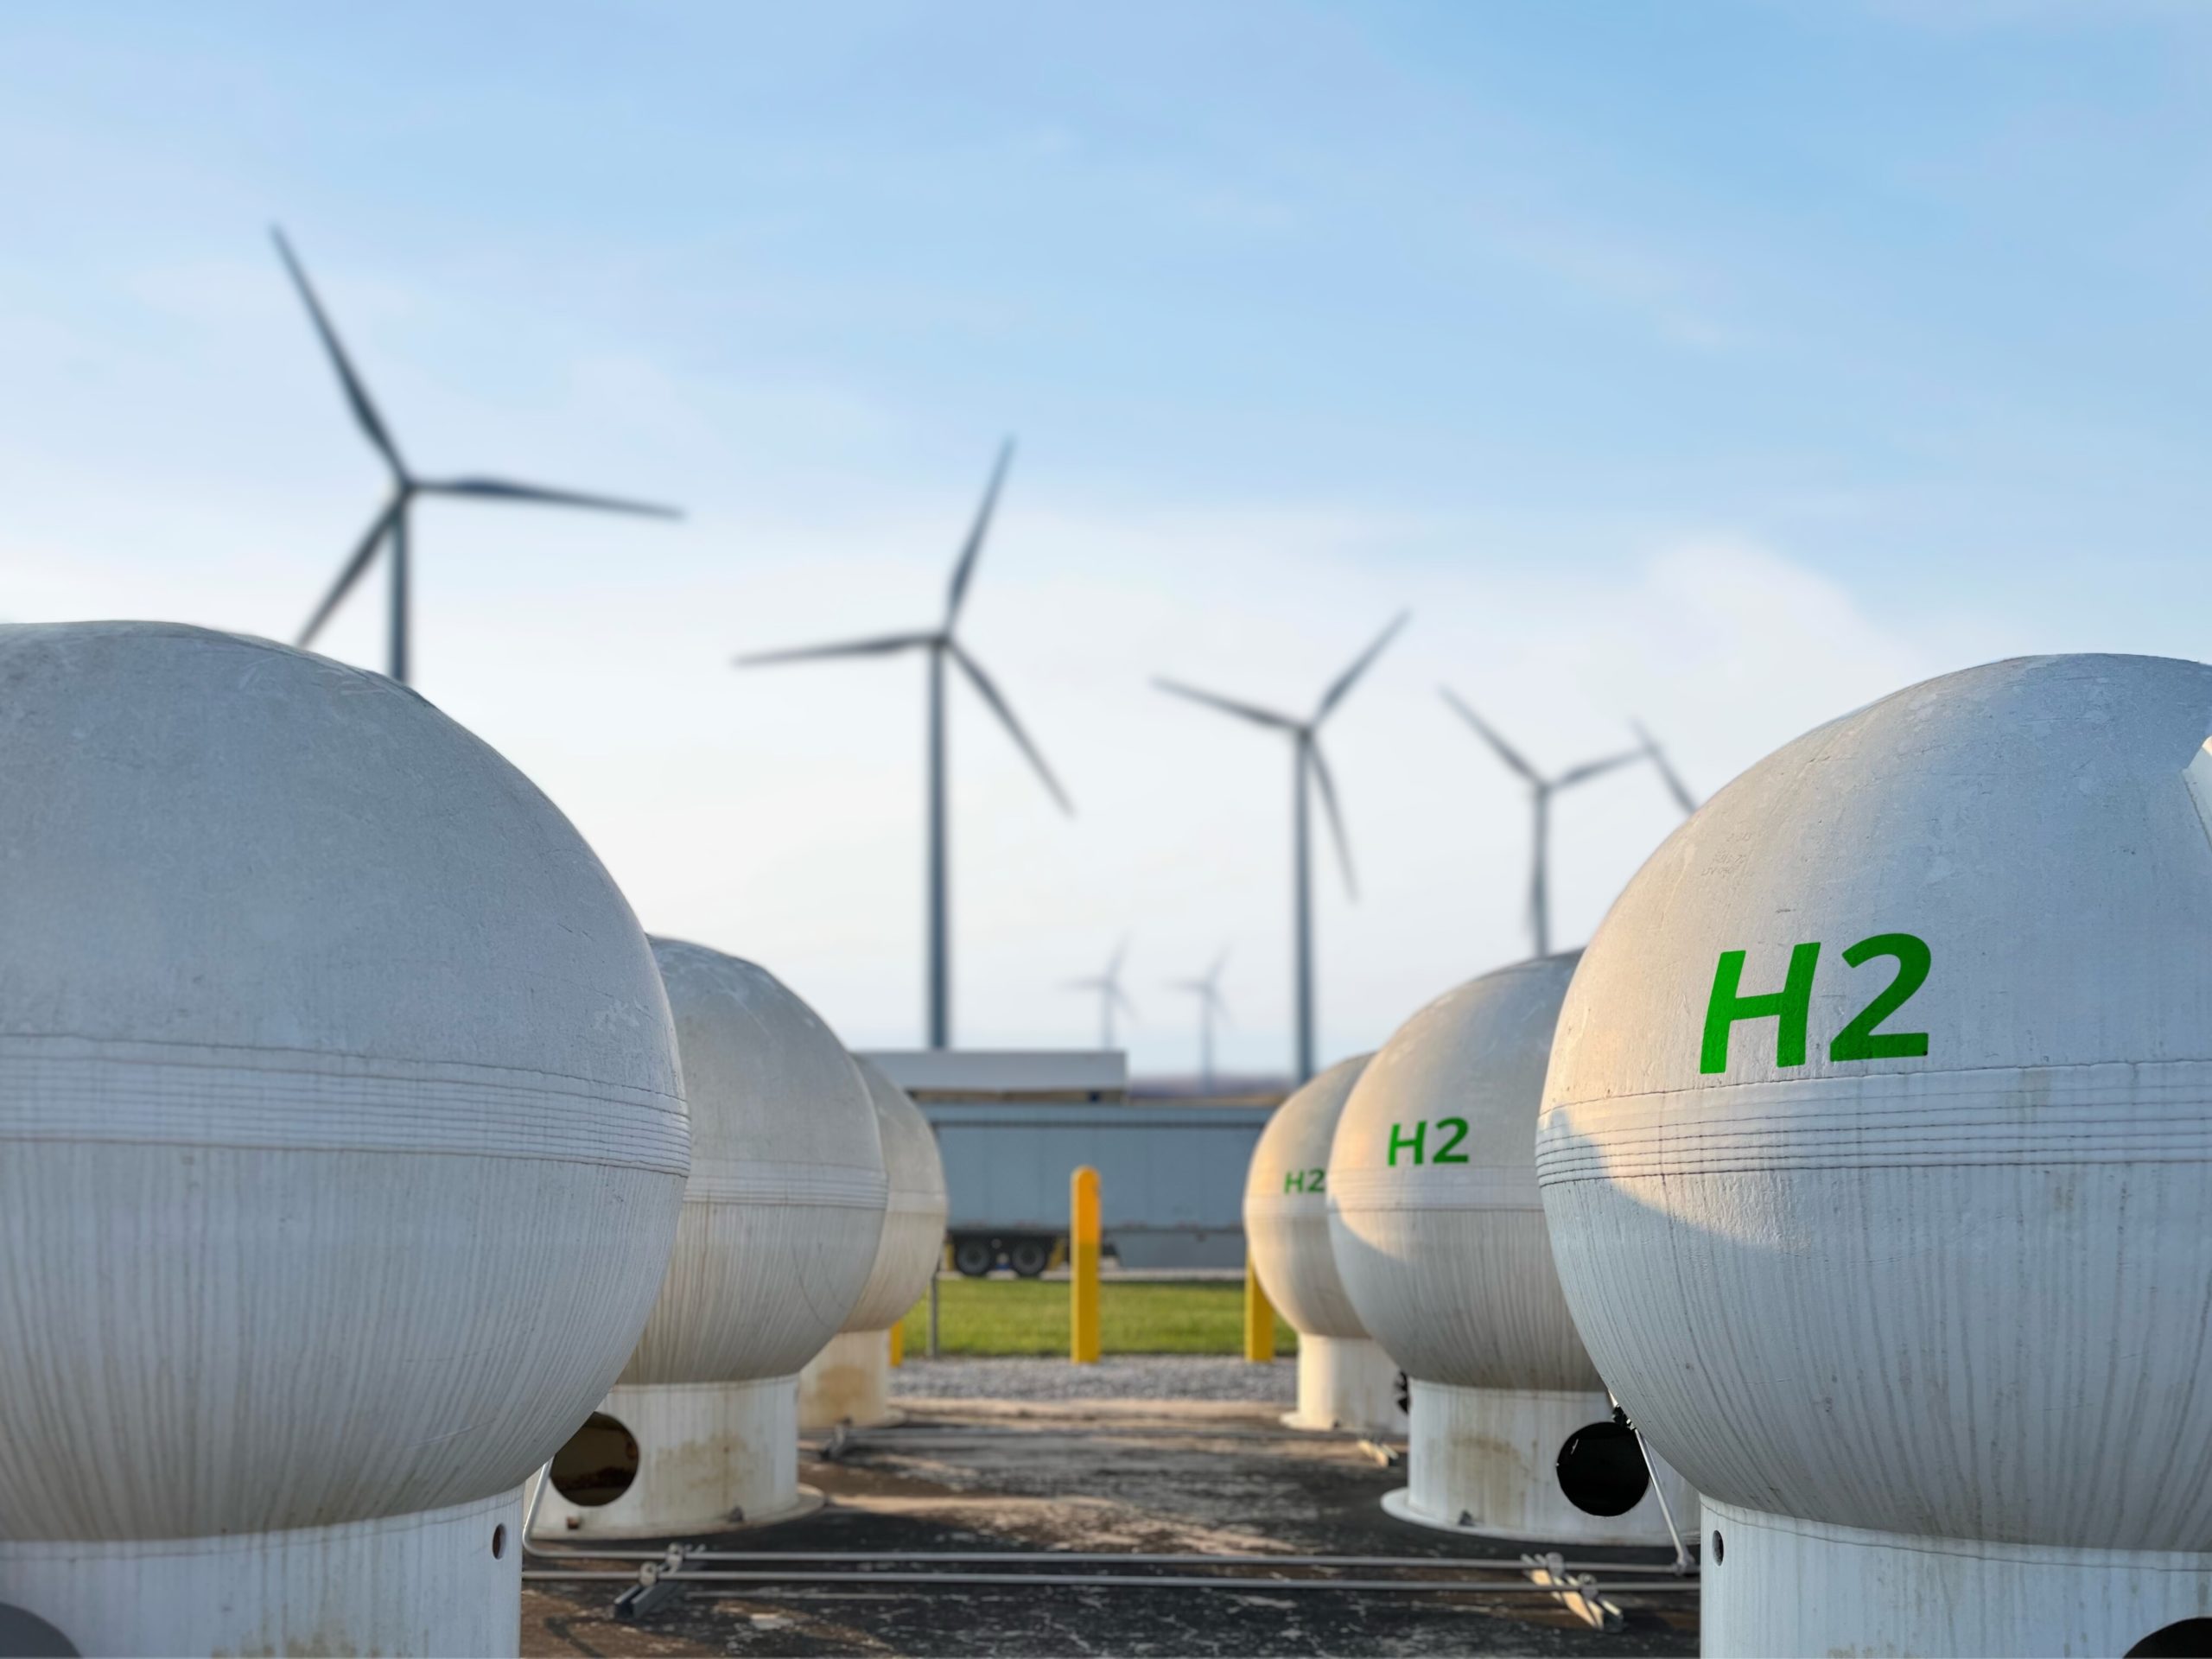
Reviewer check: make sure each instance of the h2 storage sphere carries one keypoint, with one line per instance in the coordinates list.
(1345, 1379)
(341, 1144)
(781, 1217)
(849, 1380)
(1877, 1151)
(1440, 1238)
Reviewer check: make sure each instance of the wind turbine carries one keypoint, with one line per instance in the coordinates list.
(1652, 753)
(1110, 995)
(1541, 791)
(391, 525)
(1309, 765)
(943, 645)
(1207, 990)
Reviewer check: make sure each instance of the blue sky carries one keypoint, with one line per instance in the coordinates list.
(1728, 364)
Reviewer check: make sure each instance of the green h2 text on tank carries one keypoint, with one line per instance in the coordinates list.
(1790, 1007)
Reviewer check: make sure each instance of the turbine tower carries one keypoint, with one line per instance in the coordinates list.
(1541, 791)
(1108, 985)
(943, 645)
(1207, 990)
(390, 523)
(1309, 767)
(1652, 753)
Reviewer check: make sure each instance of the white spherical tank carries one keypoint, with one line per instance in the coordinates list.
(781, 1220)
(1878, 1157)
(329, 1058)
(849, 1380)
(1440, 1238)
(1345, 1379)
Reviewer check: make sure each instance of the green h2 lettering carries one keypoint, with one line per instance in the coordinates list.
(1401, 1141)
(1789, 1007)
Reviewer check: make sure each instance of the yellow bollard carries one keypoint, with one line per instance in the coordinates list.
(1083, 1267)
(897, 1344)
(1259, 1317)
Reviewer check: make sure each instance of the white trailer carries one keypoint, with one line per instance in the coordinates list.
(1012, 1125)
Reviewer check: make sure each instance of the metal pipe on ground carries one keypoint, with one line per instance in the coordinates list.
(1454, 1563)
(1105, 1580)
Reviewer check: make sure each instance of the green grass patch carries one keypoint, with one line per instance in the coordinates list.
(1024, 1316)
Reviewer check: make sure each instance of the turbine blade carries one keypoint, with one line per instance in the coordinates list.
(1219, 963)
(502, 490)
(1584, 773)
(1122, 1001)
(1683, 798)
(351, 574)
(1335, 693)
(1121, 952)
(1328, 788)
(364, 412)
(966, 566)
(989, 692)
(1228, 705)
(882, 646)
(1505, 751)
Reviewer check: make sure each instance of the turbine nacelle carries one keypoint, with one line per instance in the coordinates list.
(1541, 789)
(1108, 989)
(390, 526)
(943, 645)
(1312, 765)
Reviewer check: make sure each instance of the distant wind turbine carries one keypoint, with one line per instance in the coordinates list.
(1310, 767)
(1657, 756)
(1207, 990)
(1541, 791)
(391, 525)
(1108, 985)
(943, 645)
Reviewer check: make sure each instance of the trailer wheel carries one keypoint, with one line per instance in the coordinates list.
(1028, 1256)
(973, 1257)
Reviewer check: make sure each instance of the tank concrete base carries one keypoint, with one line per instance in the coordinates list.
(849, 1382)
(1346, 1382)
(1483, 1461)
(712, 1457)
(447, 1581)
(1775, 1585)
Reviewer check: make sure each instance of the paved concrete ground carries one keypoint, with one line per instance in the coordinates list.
(1127, 1475)
(1120, 1376)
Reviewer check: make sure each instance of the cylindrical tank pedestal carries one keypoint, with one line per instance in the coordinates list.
(1489, 1461)
(445, 1581)
(1344, 1382)
(849, 1382)
(710, 1456)
(1777, 1585)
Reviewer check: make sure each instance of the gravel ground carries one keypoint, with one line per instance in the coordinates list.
(1215, 1478)
(1162, 1376)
